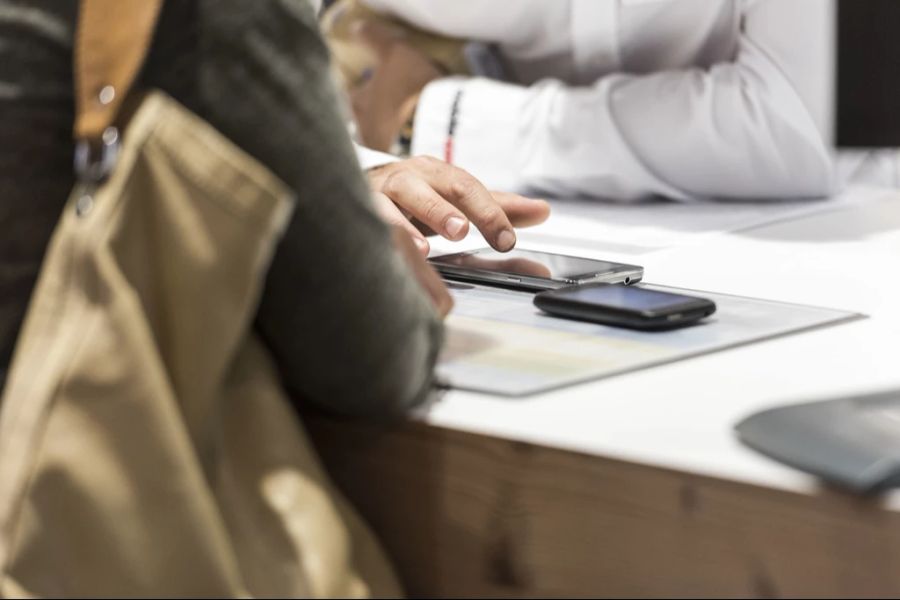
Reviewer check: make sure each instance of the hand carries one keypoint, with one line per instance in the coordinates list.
(387, 99)
(443, 199)
(424, 273)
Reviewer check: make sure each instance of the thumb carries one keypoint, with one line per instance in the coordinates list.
(522, 211)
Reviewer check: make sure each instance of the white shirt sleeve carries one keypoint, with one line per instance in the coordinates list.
(741, 129)
(369, 159)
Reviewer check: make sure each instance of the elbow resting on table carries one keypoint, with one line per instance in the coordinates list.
(406, 378)
(766, 168)
(803, 170)
(776, 156)
(392, 382)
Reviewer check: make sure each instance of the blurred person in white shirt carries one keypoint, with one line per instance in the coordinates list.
(621, 99)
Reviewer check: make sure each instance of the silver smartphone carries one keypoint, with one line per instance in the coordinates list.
(529, 270)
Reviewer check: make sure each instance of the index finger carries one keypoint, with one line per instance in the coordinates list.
(468, 194)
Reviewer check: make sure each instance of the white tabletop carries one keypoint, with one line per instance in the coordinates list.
(843, 253)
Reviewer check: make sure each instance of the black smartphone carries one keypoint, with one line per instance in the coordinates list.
(633, 307)
(529, 270)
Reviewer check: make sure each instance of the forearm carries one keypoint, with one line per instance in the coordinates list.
(684, 135)
(349, 328)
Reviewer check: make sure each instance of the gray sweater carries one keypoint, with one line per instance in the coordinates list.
(349, 328)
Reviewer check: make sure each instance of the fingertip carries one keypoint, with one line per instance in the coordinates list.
(506, 241)
(422, 245)
(456, 228)
(448, 306)
(445, 302)
(538, 204)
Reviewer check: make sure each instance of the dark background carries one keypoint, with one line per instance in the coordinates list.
(868, 78)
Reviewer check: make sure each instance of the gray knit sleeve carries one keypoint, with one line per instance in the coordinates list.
(350, 329)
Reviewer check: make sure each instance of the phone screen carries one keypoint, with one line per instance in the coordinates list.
(627, 298)
(530, 264)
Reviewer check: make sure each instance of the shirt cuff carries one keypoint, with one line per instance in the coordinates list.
(369, 159)
(484, 105)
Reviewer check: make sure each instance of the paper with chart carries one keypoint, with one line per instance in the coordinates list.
(499, 343)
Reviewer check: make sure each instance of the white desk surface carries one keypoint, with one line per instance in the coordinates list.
(680, 416)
